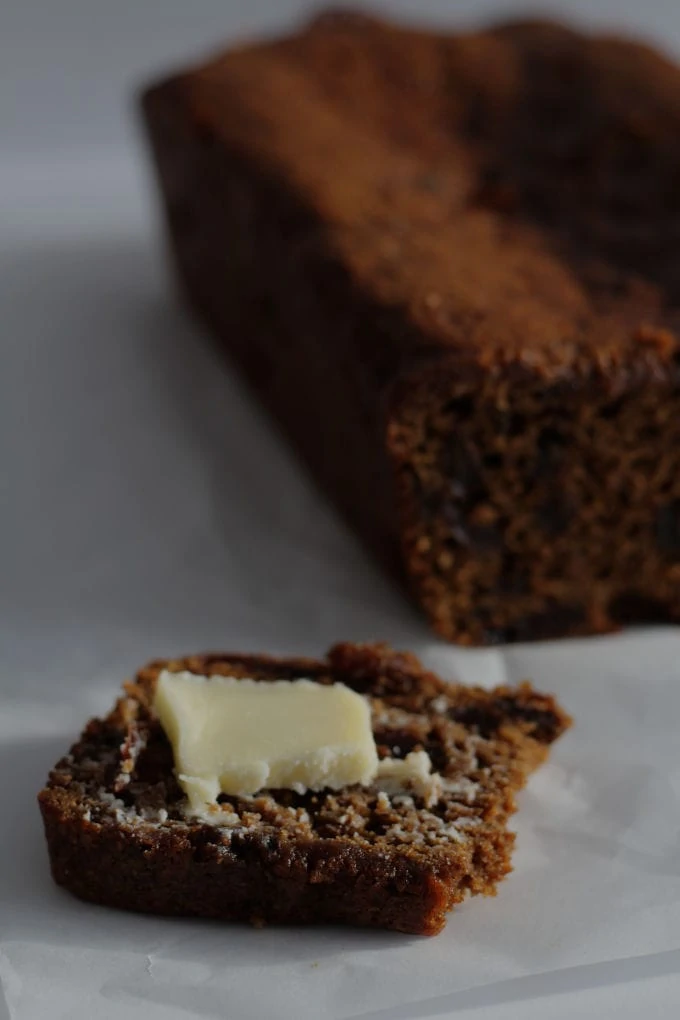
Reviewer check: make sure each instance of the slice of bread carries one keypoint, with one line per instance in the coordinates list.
(118, 832)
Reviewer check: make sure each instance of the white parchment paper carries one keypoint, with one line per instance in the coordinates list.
(597, 878)
(146, 508)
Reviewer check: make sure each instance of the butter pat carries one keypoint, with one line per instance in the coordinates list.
(240, 736)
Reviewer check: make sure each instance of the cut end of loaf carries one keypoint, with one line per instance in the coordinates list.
(533, 513)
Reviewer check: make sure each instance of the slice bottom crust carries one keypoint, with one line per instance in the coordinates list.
(118, 832)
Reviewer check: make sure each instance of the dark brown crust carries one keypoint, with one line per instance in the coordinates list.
(430, 273)
(117, 836)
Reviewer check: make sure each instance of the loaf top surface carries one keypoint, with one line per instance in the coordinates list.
(512, 195)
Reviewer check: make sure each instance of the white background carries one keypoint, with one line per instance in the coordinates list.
(147, 508)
